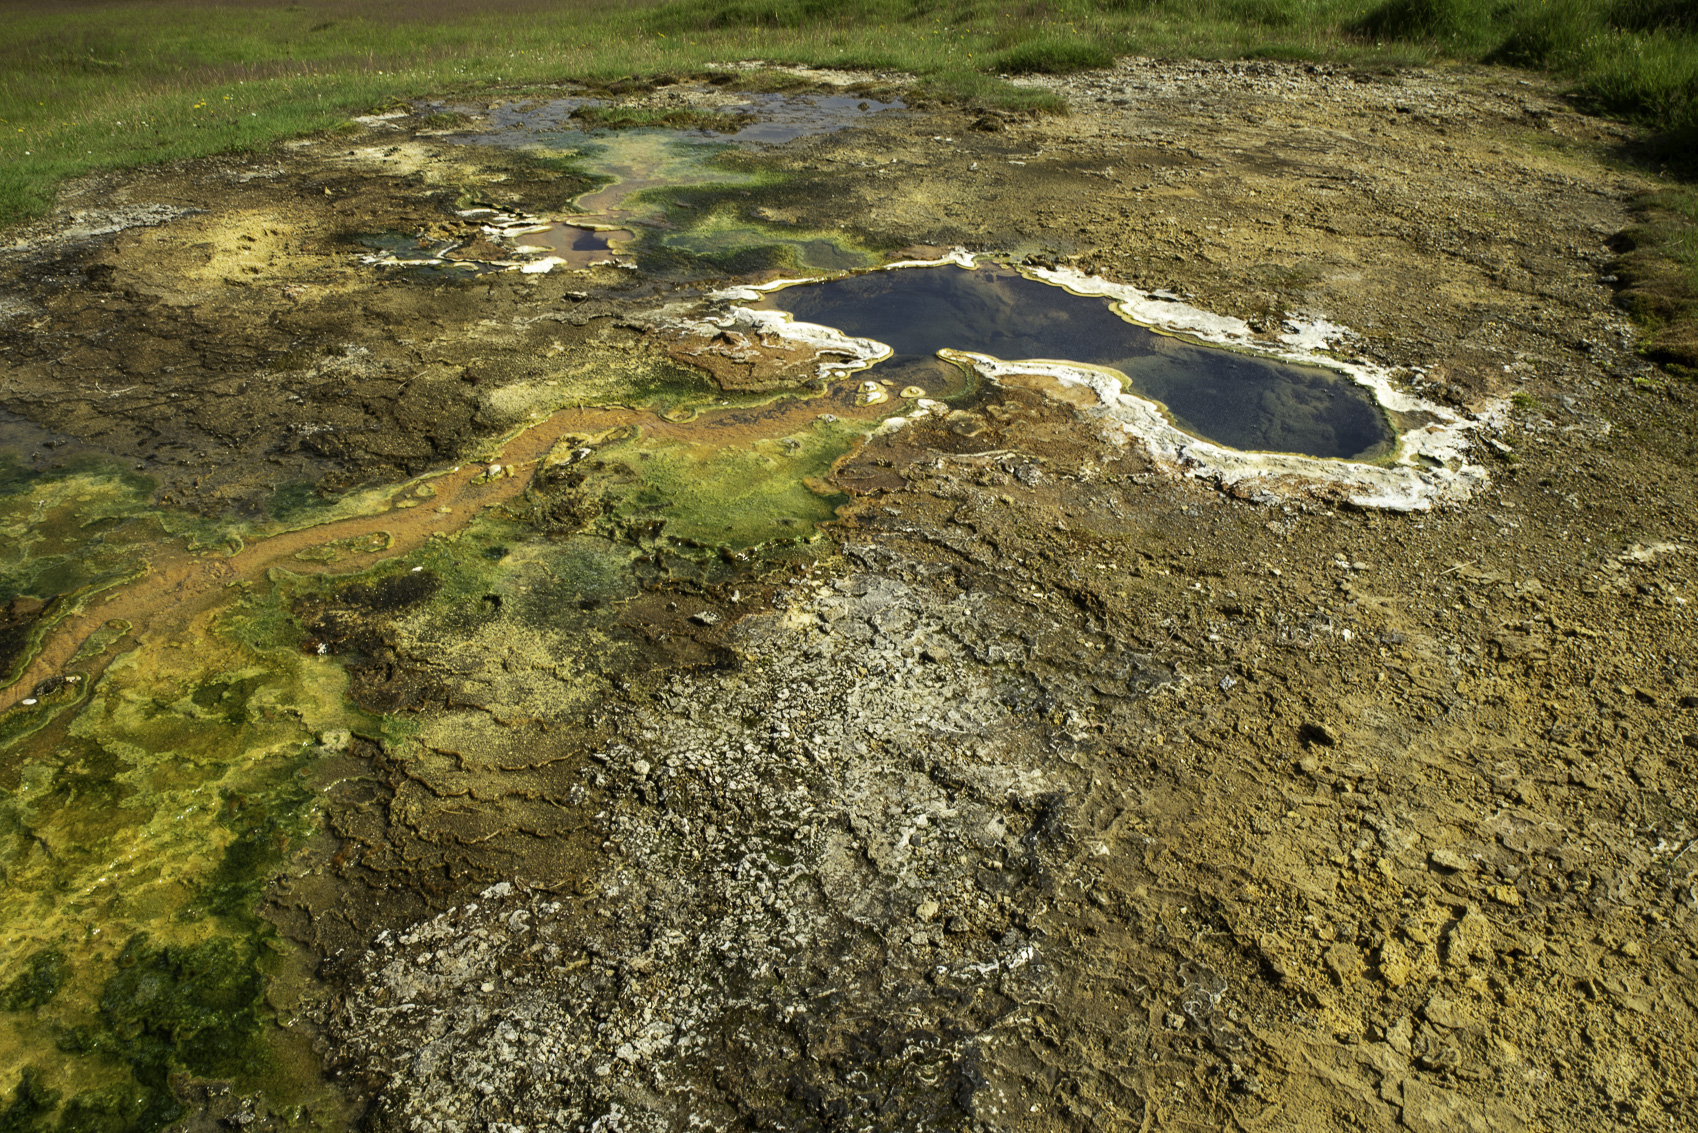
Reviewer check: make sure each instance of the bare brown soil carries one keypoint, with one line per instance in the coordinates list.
(1060, 794)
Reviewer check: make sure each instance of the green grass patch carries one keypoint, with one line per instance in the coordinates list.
(1657, 266)
(1055, 55)
(1632, 59)
(965, 86)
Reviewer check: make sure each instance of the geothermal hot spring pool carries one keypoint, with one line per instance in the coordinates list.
(1226, 396)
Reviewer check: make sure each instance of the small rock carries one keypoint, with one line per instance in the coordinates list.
(705, 618)
(1431, 1109)
(926, 910)
(1469, 939)
(1316, 733)
(1450, 861)
(1344, 961)
(1274, 953)
(1505, 894)
(1400, 1035)
(1445, 1013)
(1394, 963)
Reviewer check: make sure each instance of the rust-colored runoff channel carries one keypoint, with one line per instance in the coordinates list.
(181, 587)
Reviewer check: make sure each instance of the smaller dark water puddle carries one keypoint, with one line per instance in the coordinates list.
(573, 246)
(1226, 396)
(782, 118)
(429, 257)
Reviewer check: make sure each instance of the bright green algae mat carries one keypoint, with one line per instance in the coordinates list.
(139, 819)
(737, 494)
(136, 840)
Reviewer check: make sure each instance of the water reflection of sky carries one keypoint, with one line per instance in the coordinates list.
(634, 160)
(1247, 401)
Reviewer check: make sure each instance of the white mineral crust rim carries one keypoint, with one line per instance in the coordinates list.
(1430, 464)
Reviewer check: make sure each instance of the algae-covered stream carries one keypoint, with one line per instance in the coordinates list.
(177, 689)
(170, 716)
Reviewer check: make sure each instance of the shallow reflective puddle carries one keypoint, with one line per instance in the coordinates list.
(574, 245)
(785, 117)
(639, 165)
(779, 117)
(1226, 396)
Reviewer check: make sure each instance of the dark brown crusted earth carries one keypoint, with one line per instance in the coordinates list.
(1058, 793)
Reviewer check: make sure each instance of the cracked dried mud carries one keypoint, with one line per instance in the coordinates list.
(624, 731)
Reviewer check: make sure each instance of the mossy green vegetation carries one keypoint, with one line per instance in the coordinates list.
(1657, 267)
(735, 494)
(166, 1009)
(727, 243)
(44, 973)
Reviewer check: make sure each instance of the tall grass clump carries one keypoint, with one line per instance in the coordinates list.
(1426, 20)
(1054, 55)
(1658, 268)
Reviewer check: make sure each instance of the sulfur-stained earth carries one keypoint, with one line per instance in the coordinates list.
(653, 755)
